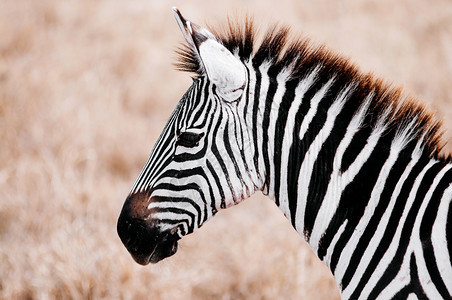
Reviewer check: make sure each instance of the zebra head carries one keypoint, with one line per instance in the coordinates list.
(203, 160)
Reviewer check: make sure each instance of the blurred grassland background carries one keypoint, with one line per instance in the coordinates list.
(85, 89)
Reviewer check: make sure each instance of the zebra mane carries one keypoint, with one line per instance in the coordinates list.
(300, 57)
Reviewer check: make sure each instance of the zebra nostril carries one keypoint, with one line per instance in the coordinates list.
(130, 231)
(137, 235)
(139, 238)
(132, 227)
(142, 235)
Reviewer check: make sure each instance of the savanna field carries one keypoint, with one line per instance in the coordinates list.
(86, 88)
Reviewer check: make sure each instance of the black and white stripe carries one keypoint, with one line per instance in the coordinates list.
(350, 163)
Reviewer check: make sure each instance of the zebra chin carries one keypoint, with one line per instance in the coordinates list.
(141, 235)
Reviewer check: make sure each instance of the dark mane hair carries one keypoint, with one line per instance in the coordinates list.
(300, 57)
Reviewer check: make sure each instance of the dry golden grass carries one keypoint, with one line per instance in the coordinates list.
(85, 89)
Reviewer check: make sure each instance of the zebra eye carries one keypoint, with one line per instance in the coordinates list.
(189, 139)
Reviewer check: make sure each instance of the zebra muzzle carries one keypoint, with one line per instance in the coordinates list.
(142, 237)
(145, 243)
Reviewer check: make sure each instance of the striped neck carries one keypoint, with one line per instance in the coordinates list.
(343, 172)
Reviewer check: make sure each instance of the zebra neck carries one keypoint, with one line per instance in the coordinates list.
(399, 225)
(345, 183)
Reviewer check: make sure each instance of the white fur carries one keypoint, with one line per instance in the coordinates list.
(312, 154)
(274, 112)
(378, 235)
(424, 276)
(223, 69)
(390, 252)
(300, 90)
(439, 238)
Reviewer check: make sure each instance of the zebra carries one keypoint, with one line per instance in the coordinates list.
(354, 164)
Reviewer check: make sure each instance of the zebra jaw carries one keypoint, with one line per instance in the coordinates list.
(221, 67)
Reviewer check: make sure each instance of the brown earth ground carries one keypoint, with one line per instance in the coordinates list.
(85, 89)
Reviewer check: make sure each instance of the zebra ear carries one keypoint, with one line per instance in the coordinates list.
(221, 67)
